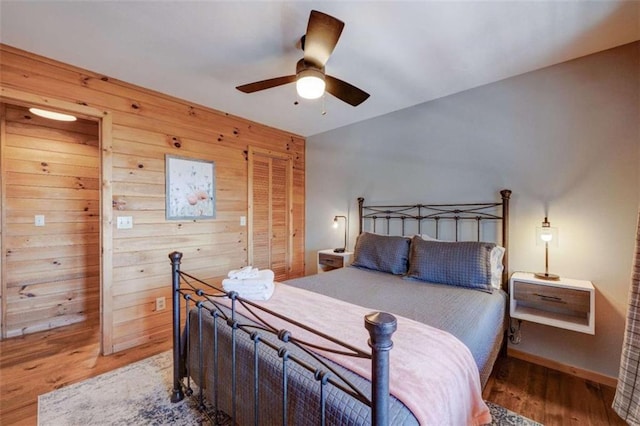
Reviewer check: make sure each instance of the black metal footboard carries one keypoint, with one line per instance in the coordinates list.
(243, 360)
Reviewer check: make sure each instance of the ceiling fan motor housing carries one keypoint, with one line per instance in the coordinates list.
(308, 69)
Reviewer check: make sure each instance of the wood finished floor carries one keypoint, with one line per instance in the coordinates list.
(549, 396)
(41, 362)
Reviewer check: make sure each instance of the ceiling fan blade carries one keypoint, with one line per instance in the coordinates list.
(266, 84)
(345, 91)
(323, 32)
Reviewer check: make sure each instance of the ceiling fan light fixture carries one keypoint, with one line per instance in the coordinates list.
(52, 114)
(310, 84)
(323, 33)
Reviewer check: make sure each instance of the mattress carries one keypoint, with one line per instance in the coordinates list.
(475, 317)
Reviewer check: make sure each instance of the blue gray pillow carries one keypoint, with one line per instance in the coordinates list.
(382, 253)
(463, 264)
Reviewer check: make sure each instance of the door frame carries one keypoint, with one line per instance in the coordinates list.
(105, 120)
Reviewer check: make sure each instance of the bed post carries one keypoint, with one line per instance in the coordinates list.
(360, 204)
(381, 327)
(176, 394)
(506, 196)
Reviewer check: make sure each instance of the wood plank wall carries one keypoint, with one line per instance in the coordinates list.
(146, 126)
(52, 271)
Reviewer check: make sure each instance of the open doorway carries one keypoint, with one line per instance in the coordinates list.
(50, 222)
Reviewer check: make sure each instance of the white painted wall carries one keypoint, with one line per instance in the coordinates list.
(565, 139)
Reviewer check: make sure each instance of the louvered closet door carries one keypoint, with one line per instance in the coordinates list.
(270, 192)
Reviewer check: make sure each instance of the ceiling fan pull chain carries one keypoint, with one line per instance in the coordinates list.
(324, 109)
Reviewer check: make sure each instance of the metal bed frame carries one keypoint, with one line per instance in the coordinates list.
(196, 293)
(456, 214)
(207, 299)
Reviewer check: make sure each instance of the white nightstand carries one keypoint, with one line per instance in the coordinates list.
(564, 303)
(329, 260)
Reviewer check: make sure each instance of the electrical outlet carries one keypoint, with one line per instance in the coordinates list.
(161, 303)
(243, 221)
(39, 220)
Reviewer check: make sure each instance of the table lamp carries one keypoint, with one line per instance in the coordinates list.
(335, 225)
(548, 235)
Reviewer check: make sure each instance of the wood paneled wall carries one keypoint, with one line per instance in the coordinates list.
(52, 271)
(146, 126)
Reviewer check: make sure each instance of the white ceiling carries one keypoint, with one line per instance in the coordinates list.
(402, 52)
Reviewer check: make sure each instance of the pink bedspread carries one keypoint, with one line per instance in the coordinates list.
(431, 371)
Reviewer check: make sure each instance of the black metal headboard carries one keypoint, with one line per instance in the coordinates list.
(458, 214)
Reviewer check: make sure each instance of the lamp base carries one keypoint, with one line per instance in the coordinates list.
(546, 276)
(339, 250)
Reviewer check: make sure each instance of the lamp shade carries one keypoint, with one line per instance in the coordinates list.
(310, 84)
(547, 234)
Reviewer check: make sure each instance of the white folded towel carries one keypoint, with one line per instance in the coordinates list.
(259, 288)
(257, 291)
(241, 274)
(264, 275)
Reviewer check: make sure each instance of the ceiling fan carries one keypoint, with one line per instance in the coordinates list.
(323, 33)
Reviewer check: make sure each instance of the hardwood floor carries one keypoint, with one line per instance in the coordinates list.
(549, 396)
(41, 362)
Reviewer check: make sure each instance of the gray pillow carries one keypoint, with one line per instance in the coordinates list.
(463, 264)
(382, 253)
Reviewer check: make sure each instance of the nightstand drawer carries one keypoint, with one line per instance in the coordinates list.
(330, 260)
(552, 299)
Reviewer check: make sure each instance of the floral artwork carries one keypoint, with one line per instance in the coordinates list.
(191, 188)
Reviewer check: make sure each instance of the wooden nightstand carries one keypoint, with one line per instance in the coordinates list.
(329, 260)
(564, 303)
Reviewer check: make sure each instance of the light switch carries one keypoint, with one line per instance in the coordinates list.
(243, 221)
(39, 220)
(125, 222)
(161, 303)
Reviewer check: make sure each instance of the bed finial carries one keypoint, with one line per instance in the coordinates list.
(175, 257)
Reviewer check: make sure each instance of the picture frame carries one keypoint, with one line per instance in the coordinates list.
(190, 188)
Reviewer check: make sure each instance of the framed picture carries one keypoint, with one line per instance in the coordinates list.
(190, 188)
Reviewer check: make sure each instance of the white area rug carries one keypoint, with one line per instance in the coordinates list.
(139, 394)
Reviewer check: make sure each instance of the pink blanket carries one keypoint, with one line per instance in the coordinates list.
(431, 371)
